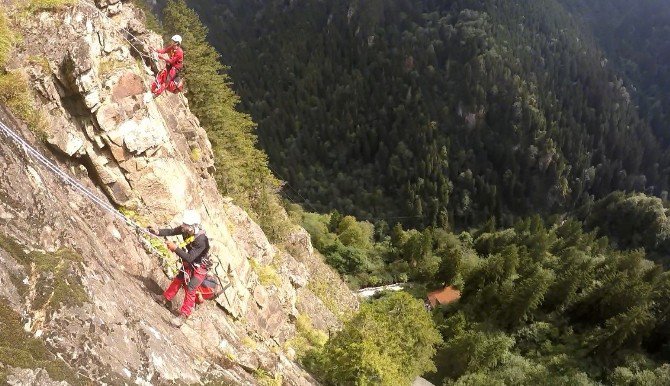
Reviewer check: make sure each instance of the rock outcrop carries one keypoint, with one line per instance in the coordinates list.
(152, 158)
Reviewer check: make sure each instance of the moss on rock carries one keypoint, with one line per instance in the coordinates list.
(19, 349)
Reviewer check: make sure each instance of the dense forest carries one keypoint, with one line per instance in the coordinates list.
(633, 35)
(442, 113)
(542, 302)
(514, 150)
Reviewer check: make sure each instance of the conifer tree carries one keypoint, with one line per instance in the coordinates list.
(241, 168)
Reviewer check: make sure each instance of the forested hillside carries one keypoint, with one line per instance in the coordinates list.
(434, 112)
(634, 36)
(542, 303)
(504, 132)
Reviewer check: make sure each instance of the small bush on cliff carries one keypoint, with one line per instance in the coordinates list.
(41, 5)
(7, 39)
(389, 342)
(15, 93)
(14, 89)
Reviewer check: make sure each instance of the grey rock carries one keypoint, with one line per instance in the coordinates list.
(28, 377)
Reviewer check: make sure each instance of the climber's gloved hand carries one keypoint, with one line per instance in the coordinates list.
(171, 246)
(152, 230)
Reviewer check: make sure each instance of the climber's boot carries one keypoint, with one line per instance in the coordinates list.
(160, 299)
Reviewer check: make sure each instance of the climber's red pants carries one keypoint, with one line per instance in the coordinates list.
(163, 81)
(195, 276)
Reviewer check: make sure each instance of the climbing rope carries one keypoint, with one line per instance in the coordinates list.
(103, 204)
(135, 38)
(141, 54)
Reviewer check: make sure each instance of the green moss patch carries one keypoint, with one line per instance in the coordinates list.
(19, 349)
(267, 274)
(58, 283)
(57, 279)
(49, 5)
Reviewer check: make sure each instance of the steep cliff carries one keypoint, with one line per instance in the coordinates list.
(78, 279)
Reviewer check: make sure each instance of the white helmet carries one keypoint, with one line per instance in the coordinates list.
(191, 217)
(176, 39)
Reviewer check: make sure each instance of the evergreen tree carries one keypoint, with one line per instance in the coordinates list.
(241, 168)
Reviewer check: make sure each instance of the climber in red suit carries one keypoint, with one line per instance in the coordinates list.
(174, 61)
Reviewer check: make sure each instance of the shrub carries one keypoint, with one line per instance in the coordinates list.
(7, 39)
(43, 5)
(389, 342)
(267, 275)
(15, 93)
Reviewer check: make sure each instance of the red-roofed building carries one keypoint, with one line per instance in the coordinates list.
(443, 296)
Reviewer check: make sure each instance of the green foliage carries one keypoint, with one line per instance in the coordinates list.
(170, 262)
(241, 168)
(625, 376)
(369, 257)
(15, 93)
(447, 114)
(267, 274)
(632, 221)
(42, 5)
(307, 338)
(322, 290)
(552, 304)
(7, 40)
(632, 36)
(196, 154)
(151, 21)
(265, 378)
(389, 342)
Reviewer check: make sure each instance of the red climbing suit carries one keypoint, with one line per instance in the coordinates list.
(174, 64)
(194, 257)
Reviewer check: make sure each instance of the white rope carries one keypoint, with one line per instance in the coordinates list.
(135, 38)
(105, 205)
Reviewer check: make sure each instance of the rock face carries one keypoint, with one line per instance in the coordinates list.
(137, 155)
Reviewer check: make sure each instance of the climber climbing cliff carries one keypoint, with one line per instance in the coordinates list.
(169, 79)
(193, 253)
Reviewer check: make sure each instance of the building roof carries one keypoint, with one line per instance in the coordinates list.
(445, 295)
